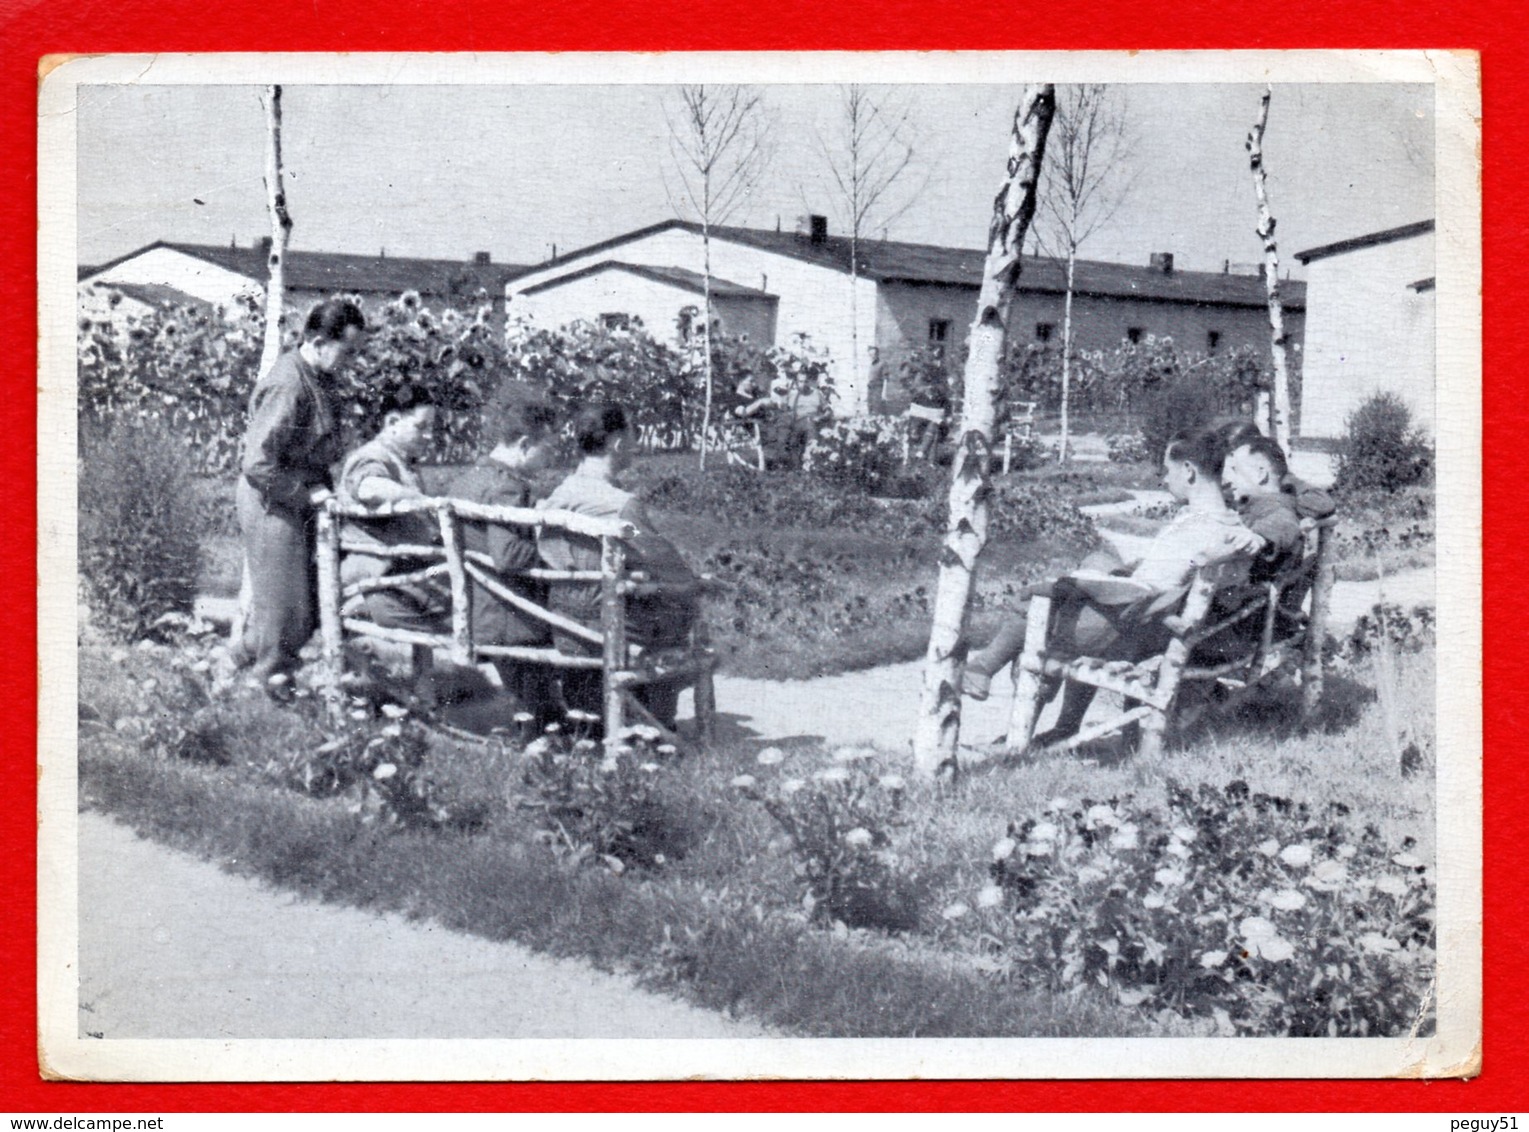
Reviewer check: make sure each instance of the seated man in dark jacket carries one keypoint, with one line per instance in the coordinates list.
(523, 430)
(606, 443)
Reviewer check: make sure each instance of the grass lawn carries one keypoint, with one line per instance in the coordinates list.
(722, 919)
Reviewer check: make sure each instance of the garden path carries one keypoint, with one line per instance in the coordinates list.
(879, 705)
(203, 954)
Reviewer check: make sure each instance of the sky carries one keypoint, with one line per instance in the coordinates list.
(447, 171)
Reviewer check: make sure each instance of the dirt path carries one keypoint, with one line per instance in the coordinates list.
(171, 947)
(879, 706)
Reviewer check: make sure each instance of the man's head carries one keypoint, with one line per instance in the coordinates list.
(1191, 460)
(605, 430)
(408, 420)
(524, 430)
(332, 334)
(1256, 466)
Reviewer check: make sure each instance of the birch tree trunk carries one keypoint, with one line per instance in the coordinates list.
(1278, 424)
(281, 229)
(706, 338)
(275, 298)
(1072, 260)
(939, 723)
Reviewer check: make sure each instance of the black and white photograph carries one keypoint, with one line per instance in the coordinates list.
(634, 567)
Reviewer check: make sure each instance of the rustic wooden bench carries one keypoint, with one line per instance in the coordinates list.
(1209, 645)
(623, 665)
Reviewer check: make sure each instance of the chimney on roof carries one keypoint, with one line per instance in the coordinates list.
(812, 228)
(482, 259)
(1161, 261)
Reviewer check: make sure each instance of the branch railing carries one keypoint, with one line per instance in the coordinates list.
(624, 666)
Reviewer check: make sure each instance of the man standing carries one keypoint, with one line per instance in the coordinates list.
(292, 439)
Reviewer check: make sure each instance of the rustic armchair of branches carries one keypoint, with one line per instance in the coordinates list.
(1210, 644)
(625, 667)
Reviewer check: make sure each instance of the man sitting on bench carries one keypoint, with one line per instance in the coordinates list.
(1118, 616)
(606, 442)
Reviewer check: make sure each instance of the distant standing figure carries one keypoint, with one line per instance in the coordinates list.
(930, 403)
(291, 442)
(876, 384)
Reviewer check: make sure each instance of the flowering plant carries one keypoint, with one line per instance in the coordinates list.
(597, 804)
(862, 453)
(838, 821)
(1244, 908)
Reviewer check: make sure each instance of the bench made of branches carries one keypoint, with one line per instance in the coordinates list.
(1208, 644)
(623, 665)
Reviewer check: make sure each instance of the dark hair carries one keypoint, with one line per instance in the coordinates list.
(407, 398)
(1205, 450)
(517, 415)
(1269, 450)
(329, 320)
(1236, 432)
(596, 426)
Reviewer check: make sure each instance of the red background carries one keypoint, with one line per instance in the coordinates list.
(1496, 28)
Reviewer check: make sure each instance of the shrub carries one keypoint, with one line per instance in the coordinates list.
(596, 805)
(1245, 908)
(1031, 512)
(140, 525)
(1382, 448)
(862, 454)
(1128, 448)
(838, 822)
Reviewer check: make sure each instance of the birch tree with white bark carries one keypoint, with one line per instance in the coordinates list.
(281, 230)
(1088, 174)
(1277, 421)
(937, 731)
(867, 155)
(719, 143)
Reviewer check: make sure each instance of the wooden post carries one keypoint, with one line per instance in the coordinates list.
(1154, 725)
(1316, 628)
(1027, 676)
(704, 689)
(1279, 410)
(939, 722)
(613, 626)
(461, 593)
(327, 549)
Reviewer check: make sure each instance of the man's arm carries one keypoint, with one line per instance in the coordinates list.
(274, 427)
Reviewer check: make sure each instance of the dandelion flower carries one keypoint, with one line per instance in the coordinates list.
(1407, 861)
(955, 911)
(553, 728)
(359, 715)
(1288, 900)
(1038, 848)
(1377, 944)
(1153, 900)
(1268, 848)
(1256, 928)
(858, 838)
(853, 754)
(791, 786)
(523, 717)
(1296, 856)
(1058, 805)
(991, 896)
(1212, 959)
(609, 766)
(667, 749)
(1101, 815)
(1044, 831)
(770, 756)
(832, 774)
(1392, 886)
(1004, 849)
(1276, 950)
(1346, 852)
(1169, 878)
(1186, 833)
(393, 711)
(1126, 837)
(649, 768)
(1328, 875)
(743, 782)
(384, 772)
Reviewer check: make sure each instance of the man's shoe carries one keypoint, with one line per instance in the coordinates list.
(976, 685)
